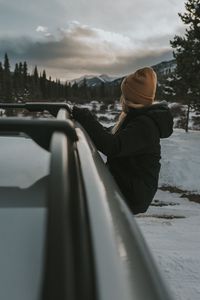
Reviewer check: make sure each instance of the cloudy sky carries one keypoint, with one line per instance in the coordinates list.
(75, 37)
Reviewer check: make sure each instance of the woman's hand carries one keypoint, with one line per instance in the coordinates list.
(80, 114)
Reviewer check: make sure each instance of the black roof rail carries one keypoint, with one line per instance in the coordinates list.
(51, 107)
(58, 271)
(40, 130)
(68, 265)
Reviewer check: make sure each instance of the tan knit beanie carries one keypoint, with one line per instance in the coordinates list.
(139, 88)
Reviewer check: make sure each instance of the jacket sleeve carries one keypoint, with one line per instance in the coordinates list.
(133, 139)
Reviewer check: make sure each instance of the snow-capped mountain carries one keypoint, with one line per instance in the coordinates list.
(107, 78)
(163, 68)
(92, 80)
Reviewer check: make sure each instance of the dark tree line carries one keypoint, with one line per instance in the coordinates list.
(102, 92)
(20, 85)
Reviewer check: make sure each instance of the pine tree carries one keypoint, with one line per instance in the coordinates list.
(7, 88)
(35, 85)
(6, 63)
(35, 75)
(185, 81)
(1, 81)
(25, 75)
(16, 81)
(43, 84)
(21, 81)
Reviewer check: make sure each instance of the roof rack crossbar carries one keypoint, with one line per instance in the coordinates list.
(52, 108)
(40, 130)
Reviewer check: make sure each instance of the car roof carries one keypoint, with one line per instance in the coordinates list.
(23, 183)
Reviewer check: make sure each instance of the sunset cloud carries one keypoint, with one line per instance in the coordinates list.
(116, 39)
(80, 49)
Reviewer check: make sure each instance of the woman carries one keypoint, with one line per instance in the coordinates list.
(133, 146)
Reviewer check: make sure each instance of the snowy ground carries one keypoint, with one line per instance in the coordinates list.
(172, 224)
(173, 235)
(181, 160)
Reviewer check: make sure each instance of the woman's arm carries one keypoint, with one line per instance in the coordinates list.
(133, 139)
(102, 138)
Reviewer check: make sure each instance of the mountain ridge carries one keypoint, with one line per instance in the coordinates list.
(162, 68)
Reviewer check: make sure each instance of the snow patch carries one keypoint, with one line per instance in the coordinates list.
(175, 243)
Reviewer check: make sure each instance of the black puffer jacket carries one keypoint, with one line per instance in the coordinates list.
(133, 152)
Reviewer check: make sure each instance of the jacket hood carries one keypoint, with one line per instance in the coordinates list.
(161, 115)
